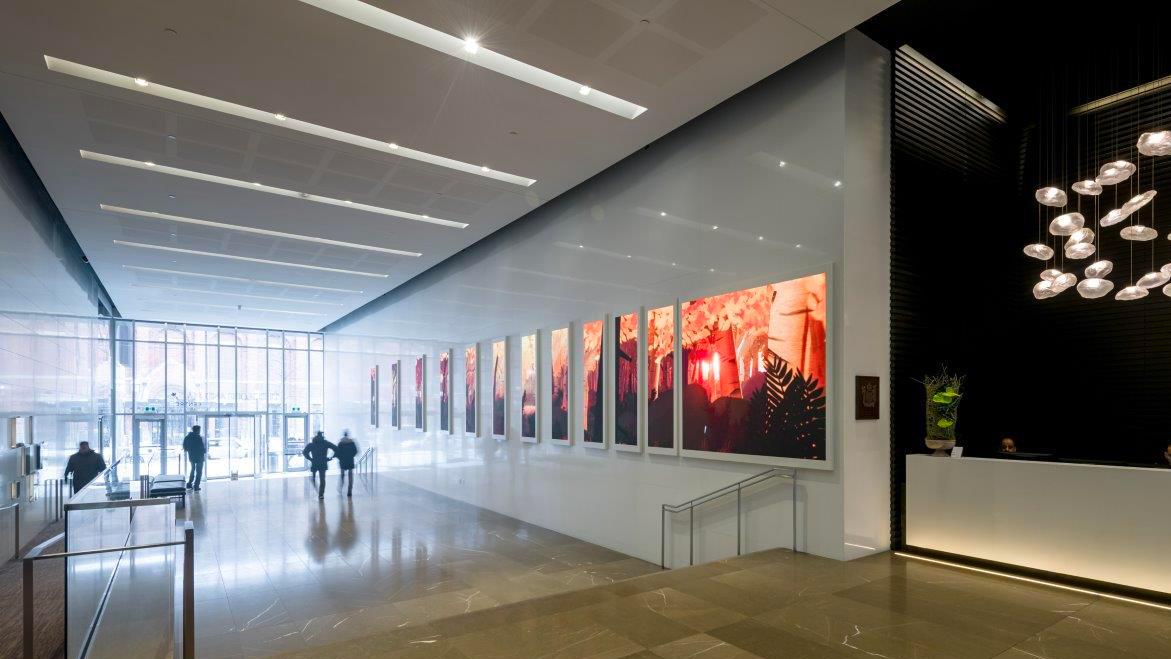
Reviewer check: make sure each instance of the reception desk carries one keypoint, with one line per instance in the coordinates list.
(1105, 523)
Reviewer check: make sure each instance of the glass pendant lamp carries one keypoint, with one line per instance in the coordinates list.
(1094, 287)
(1039, 251)
(1131, 293)
(1051, 196)
(1065, 225)
(1155, 144)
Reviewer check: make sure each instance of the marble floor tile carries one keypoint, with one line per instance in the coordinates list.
(688, 610)
(700, 646)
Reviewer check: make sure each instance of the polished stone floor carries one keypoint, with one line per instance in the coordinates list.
(788, 606)
(276, 570)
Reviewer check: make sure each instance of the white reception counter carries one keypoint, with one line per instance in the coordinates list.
(1099, 522)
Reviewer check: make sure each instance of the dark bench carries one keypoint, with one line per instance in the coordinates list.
(169, 485)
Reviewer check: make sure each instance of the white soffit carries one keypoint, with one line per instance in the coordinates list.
(273, 118)
(467, 48)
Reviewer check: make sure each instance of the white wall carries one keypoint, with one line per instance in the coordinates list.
(826, 117)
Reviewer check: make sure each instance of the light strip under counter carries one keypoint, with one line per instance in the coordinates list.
(277, 119)
(469, 50)
(154, 215)
(149, 166)
(250, 259)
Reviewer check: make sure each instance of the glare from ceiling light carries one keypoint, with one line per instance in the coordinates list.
(471, 46)
(837, 184)
(584, 91)
(154, 215)
(428, 37)
(715, 227)
(149, 163)
(246, 280)
(484, 168)
(195, 252)
(279, 117)
(782, 163)
(760, 237)
(214, 104)
(236, 183)
(141, 82)
(233, 294)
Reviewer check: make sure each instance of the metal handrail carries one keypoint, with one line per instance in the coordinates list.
(16, 527)
(36, 554)
(736, 487)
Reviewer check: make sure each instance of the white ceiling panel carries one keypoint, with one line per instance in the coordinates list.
(677, 58)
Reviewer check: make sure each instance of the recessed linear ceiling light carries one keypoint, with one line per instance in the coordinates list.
(229, 306)
(471, 51)
(264, 232)
(164, 248)
(247, 280)
(236, 183)
(244, 112)
(247, 295)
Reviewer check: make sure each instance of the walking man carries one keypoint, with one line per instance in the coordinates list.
(196, 452)
(346, 451)
(317, 453)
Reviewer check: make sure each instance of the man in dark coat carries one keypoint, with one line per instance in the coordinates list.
(85, 465)
(345, 452)
(317, 453)
(196, 453)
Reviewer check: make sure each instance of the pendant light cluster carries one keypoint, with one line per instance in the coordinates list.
(1082, 242)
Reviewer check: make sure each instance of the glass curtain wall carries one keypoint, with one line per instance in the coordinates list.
(253, 392)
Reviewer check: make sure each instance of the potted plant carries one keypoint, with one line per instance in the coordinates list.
(943, 406)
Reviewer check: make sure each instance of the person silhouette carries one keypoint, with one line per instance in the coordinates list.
(317, 452)
(345, 452)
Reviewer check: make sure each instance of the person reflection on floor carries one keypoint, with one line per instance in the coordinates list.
(347, 450)
(317, 452)
(317, 541)
(346, 535)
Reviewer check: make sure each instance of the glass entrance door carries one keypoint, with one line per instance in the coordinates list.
(296, 434)
(231, 444)
(149, 446)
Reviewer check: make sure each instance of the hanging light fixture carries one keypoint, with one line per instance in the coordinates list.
(1051, 196)
(1088, 187)
(1042, 251)
(1050, 274)
(1139, 233)
(1131, 293)
(1044, 289)
(1064, 225)
(1138, 201)
(1114, 172)
(1094, 287)
(1064, 281)
(1113, 217)
(1099, 269)
(1155, 144)
(1153, 279)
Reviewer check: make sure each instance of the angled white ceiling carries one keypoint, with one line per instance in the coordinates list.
(677, 58)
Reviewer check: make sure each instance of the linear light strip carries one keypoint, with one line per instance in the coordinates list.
(231, 306)
(272, 118)
(469, 50)
(179, 250)
(1040, 582)
(247, 295)
(260, 187)
(154, 215)
(184, 273)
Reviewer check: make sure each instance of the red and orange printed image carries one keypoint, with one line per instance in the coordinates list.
(445, 390)
(754, 371)
(591, 344)
(419, 393)
(660, 373)
(470, 354)
(528, 386)
(559, 419)
(626, 380)
(498, 367)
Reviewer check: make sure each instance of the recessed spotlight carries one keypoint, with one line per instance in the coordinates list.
(471, 46)
(798, 245)
(837, 184)
(760, 237)
(581, 246)
(711, 269)
(782, 163)
(170, 196)
(715, 227)
(662, 213)
(149, 163)
(141, 82)
(584, 91)
(672, 263)
(170, 137)
(393, 145)
(629, 256)
(279, 117)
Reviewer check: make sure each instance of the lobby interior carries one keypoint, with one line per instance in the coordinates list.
(663, 329)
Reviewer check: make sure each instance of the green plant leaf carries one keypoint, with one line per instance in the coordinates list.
(945, 423)
(943, 397)
(950, 390)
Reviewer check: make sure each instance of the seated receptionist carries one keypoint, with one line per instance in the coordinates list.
(1007, 445)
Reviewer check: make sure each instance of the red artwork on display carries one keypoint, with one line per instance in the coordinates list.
(559, 420)
(591, 339)
(754, 371)
(626, 380)
(419, 393)
(498, 367)
(528, 386)
(660, 391)
(470, 389)
(444, 390)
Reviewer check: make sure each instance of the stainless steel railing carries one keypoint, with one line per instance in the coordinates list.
(738, 489)
(367, 463)
(54, 497)
(188, 542)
